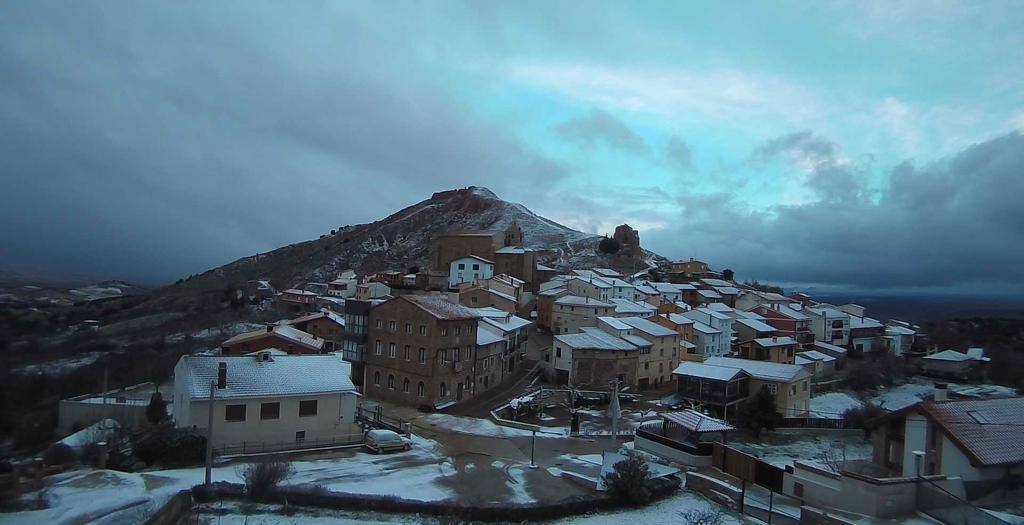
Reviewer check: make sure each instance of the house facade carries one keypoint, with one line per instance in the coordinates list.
(790, 384)
(468, 269)
(267, 402)
(420, 351)
(773, 349)
(571, 313)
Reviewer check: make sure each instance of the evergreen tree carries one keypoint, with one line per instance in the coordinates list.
(759, 413)
(156, 411)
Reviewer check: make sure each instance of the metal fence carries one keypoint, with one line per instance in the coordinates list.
(813, 422)
(261, 447)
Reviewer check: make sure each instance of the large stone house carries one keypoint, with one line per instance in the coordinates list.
(421, 350)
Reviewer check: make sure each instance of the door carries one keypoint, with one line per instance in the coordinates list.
(458, 392)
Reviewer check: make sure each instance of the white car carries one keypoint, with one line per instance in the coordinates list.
(380, 441)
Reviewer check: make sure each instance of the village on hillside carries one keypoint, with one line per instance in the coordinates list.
(491, 386)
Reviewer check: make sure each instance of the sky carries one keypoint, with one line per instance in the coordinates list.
(873, 146)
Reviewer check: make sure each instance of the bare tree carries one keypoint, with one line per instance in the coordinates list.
(709, 516)
(834, 457)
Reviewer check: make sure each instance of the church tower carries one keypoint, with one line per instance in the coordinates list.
(513, 235)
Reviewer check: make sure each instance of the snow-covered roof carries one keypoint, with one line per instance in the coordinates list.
(953, 355)
(764, 370)
(822, 345)
(594, 280)
(696, 422)
(646, 289)
(713, 313)
(288, 375)
(727, 290)
(440, 307)
(749, 315)
(715, 282)
(284, 331)
(898, 330)
(486, 335)
(678, 319)
(625, 306)
(506, 323)
(513, 249)
(705, 329)
(542, 268)
(475, 257)
(710, 294)
(719, 307)
(637, 341)
(595, 339)
(576, 300)
(814, 355)
(319, 315)
(788, 312)
(614, 322)
(648, 327)
(801, 360)
(775, 341)
(863, 322)
(707, 371)
(672, 287)
(296, 291)
(607, 272)
(755, 325)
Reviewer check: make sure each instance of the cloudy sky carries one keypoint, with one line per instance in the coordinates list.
(873, 145)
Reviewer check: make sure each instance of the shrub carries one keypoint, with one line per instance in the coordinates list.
(59, 454)
(862, 417)
(156, 410)
(261, 479)
(627, 482)
(170, 448)
(759, 413)
(712, 516)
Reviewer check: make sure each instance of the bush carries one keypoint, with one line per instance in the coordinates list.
(261, 479)
(627, 482)
(156, 410)
(862, 417)
(59, 454)
(759, 413)
(170, 448)
(711, 516)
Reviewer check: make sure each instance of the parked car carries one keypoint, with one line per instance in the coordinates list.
(380, 441)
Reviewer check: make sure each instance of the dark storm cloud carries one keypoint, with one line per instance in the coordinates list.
(146, 141)
(955, 224)
(598, 127)
(678, 154)
(802, 143)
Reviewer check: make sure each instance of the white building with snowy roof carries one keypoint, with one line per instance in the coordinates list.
(267, 401)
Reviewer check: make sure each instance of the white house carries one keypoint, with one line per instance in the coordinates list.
(707, 339)
(718, 321)
(468, 269)
(344, 286)
(267, 401)
(829, 324)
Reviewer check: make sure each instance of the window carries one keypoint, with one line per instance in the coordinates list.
(798, 490)
(391, 381)
(405, 385)
(376, 378)
(462, 266)
(420, 388)
(300, 436)
(379, 323)
(558, 351)
(423, 329)
(444, 356)
(392, 325)
(444, 331)
(792, 390)
(308, 407)
(234, 413)
(647, 366)
(423, 355)
(805, 386)
(458, 330)
(408, 328)
(270, 410)
(405, 353)
(476, 266)
(457, 354)
(391, 349)
(772, 388)
(377, 347)
(444, 390)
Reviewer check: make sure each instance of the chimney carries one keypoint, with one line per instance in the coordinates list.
(222, 375)
(270, 328)
(941, 392)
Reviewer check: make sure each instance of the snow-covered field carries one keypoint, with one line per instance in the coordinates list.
(833, 405)
(60, 366)
(105, 496)
(783, 449)
(471, 425)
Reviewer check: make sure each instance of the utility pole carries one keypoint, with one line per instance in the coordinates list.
(614, 410)
(209, 433)
(533, 449)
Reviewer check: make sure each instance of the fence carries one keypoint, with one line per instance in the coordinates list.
(261, 447)
(377, 418)
(940, 504)
(813, 422)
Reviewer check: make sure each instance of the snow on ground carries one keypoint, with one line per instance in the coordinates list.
(60, 366)
(897, 397)
(833, 405)
(668, 510)
(783, 449)
(105, 496)
(235, 513)
(473, 426)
